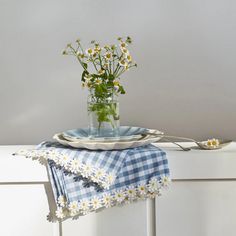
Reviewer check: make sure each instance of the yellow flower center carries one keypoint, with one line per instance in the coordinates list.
(209, 143)
(90, 50)
(108, 55)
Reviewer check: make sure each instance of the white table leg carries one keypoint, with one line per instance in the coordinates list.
(151, 217)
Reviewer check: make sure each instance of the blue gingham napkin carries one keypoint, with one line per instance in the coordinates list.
(85, 181)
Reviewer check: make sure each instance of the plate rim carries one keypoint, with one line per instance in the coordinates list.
(110, 139)
(116, 145)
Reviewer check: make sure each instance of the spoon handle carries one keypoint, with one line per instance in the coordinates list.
(170, 136)
(183, 148)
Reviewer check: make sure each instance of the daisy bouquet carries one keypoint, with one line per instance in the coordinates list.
(102, 69)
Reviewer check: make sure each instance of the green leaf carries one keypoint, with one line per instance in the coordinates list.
(85, 65)
(83, 75)
(121, 89)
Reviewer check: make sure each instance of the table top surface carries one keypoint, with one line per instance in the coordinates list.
(195, 164)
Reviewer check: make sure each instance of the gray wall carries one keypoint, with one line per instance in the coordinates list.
(184, 85)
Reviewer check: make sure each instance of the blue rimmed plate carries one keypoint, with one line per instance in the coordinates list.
(131, 137)
(125, 133)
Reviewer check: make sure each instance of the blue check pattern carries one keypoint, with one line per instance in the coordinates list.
(132, 167)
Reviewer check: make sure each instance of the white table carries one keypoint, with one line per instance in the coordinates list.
(200, 202)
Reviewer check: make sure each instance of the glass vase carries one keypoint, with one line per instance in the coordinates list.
(103, 114)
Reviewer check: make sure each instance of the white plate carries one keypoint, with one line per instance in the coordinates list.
(125, 133)
(109, 145)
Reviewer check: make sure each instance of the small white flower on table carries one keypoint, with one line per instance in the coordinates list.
(110, 178)
(73, 208)
(86, 170)
(61, 201)
(107, 200)
(84, 206)
(165, 181)
(99, 173)
(119, 196)
(63, 160)
(74, 166)
(142, 190)
(96, 203)
(153, 185)
(214, 143)
(131, 193)
(60, 213)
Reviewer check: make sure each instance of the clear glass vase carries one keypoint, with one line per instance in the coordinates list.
(103, 114)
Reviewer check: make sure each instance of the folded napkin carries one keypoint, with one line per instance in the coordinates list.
(85, 181)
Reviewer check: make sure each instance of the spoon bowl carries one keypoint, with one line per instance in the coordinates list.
(222, 143)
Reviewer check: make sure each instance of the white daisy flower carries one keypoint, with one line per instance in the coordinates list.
(63, 160)
(142, 190)
(131, 193)
(153, 185)
(96, 203)
(84, 206)
(60, 213)
(119, 196)
(129, 58)
(108, 56)
(125, 51)
(87, 170)
(165, 181)
(123, 44)
(212, 143)
(110, 178)
(74, 166)
(107, 200)
(99, 173)
(98, 81)
(61, 201)
(90, 51)
(123, 63)
(73, 208)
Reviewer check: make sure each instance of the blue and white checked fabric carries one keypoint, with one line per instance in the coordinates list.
(114, 177)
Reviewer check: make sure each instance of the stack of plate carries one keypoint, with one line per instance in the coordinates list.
(130, 137)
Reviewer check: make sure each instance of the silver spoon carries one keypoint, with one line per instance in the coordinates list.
(202, 145)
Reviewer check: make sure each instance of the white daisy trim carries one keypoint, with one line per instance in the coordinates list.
(125, 196)
(97, 175)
